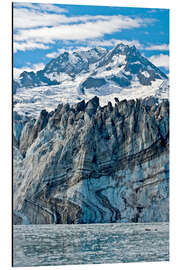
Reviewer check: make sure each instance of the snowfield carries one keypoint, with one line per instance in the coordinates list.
(30, 101)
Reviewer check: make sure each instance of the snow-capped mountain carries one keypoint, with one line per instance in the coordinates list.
(82, 162)
(121, 72)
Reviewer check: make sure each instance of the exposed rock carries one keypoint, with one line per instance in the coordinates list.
(92, 106)
(80, 106)
(19, 122)
(15, 85)
(31, 130)
(92, 164)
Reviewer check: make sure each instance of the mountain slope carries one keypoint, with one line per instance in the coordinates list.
(123, 65)
(121, 72)
(68, 64)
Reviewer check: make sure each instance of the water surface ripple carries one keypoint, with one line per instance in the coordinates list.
(35, 245)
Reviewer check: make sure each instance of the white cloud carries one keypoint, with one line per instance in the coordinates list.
(79, 48)
(162, 47)
(114, 42)
(24, 18)
(161, 60)
(70, 49)
(52, 8)
(81, 31)
(34, 67)
(52, 55)
(41, 7)
(23, 46)
(38, 66)
(36, 25)
(89, 44)
(58, 52)
(33, 18)
(24, 5)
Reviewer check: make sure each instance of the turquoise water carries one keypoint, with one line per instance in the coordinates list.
(35, 245)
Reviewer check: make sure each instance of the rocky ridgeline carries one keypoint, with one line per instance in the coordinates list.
(127, 59)
(91, 164)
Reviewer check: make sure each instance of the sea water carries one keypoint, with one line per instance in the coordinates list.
(35, 245)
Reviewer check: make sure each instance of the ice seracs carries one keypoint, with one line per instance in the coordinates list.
(87, 163)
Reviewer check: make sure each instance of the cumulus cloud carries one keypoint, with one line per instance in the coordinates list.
(52, 55)
(52, 8)
(70, 49)
(161, 60)
(41, 7)
(36, 24)
(23, 46)
(38, 15)
(162, 47)
(25, 18)
(34, 67)
(114, 42)
(33, 18)
(89, 44)
(81, 31)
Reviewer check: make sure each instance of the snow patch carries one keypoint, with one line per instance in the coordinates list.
(32, 101)
(145, 73)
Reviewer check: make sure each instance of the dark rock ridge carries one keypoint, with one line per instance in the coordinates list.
(91, 164)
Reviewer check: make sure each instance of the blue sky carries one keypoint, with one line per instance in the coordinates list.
(42, 31)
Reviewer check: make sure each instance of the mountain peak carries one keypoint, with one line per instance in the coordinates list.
(121, 46)
(98, 72)
(124, 49)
